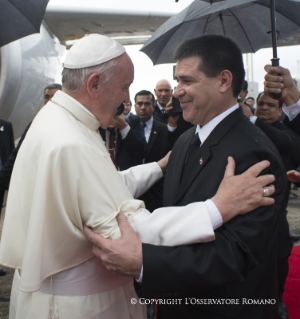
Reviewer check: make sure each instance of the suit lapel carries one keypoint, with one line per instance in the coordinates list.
(177, 160)
(202, 156)
(199, 160)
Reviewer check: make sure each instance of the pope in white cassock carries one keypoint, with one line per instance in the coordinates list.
(64, 178)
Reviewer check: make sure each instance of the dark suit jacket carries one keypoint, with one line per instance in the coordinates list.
(154, 145)
(241, 261)
(6, 146)
(5, 173)
(131, 150)
(284, 139)
(153, 198)
(294, 125)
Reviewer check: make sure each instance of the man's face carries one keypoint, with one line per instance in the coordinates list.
(115, 91)
(144, 107)
(197, 93)
(250, 102)
(268, 109)
(127, 108)
(163, 93)
(48, 94)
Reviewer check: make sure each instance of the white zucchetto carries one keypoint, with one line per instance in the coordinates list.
(92, 50)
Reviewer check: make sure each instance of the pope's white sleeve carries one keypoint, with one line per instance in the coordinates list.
(139, 179)
(174, 226)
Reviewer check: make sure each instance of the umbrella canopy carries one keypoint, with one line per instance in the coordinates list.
(247, 22)
(212, 1)
(19, 18)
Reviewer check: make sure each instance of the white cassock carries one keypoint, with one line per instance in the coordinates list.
(63, 178)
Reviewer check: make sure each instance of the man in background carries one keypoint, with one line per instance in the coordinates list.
(266, 117)
(7, 145)
(154, 133)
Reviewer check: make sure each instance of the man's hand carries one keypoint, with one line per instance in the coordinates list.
(172, 119)
(119, 122)
(293, 176)
(284, 83)
(246, 109)
(243, 193)
(164, 161)
(123, 256)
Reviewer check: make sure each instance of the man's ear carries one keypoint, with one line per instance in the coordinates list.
(280, 111)
(93, 84)
(225, 81)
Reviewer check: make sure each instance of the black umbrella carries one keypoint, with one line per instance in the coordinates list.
(247, 22)
(19, 18)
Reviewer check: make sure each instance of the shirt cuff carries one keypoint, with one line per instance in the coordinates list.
(215, 216)
(124, 131)
(171, 128)
(140, 279)
(291, 111)
(253, 118)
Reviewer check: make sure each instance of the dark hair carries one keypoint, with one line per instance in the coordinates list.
(264, 92)
(144, 92)
(53, 86)
(250, 98)
(245, 85)
(217, 53)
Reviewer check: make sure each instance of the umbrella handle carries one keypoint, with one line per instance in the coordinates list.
(275, 62)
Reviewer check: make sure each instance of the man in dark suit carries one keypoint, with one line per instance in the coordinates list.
(154, 133)
(153, 129)
(226, 277)
(279, 80)
(266, 117)
(129, 146)
(6, 147)
(177, 125)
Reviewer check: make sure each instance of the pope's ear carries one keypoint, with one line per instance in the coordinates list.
(93, 84)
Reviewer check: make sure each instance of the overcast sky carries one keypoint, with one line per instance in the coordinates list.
(146, 75)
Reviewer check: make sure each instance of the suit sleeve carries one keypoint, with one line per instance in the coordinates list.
(239, 246)
(293, 125)
(284, 139)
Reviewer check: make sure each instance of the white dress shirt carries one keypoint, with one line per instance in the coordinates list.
(291, 111)
(148, 128)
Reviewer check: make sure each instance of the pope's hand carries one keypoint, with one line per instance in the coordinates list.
(123, 256)
(164, 161)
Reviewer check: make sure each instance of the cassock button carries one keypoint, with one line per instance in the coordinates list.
(154, 132)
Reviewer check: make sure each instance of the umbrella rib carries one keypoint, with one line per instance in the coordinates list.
(206, 23)
(22, 14)
(238, 21)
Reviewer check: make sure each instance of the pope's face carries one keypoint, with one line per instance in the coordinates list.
(115, 91)
(196, 92)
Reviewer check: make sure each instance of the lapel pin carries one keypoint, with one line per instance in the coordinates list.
(201, 161)
(1, 128)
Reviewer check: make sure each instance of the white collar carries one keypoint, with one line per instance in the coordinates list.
(79, 104)
(149, 123)
(205, 130)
